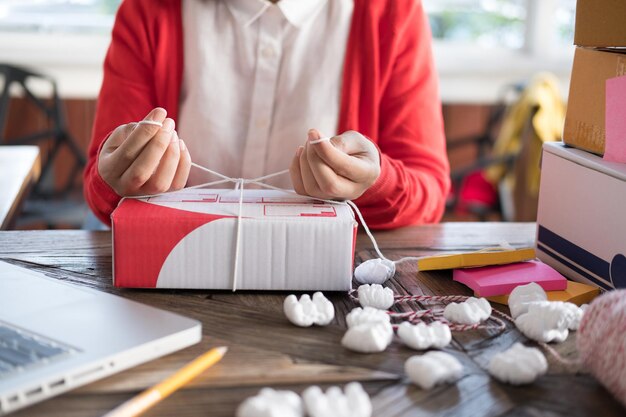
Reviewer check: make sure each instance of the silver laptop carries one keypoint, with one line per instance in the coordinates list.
(55, 336)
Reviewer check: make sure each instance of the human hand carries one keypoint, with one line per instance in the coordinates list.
(341, 168)
(143, 159)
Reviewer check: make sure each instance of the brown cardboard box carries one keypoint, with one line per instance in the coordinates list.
(584, 122)
(600, 23)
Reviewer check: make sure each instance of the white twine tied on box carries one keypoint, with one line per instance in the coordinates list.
(371, 271)
(240, 183)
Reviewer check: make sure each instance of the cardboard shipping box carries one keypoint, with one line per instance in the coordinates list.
(586, 109)
(600, 23)
(188, 239)
(581, 223)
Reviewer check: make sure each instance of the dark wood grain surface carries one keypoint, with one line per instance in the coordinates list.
(266, 350)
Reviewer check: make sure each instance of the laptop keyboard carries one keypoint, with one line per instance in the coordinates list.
(20, 349)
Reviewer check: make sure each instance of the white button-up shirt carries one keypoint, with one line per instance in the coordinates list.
(256, 77)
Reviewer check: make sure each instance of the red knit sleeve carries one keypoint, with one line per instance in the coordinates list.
(414, 179)
(127, 94)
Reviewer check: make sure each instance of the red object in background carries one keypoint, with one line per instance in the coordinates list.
(476, 191)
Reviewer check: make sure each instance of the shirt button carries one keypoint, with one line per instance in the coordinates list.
(268, 52)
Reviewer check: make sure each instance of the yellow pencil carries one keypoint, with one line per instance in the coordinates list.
(151, 396)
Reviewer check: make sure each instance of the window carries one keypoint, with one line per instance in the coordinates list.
(510, 24)
(480, 45)
(486, 23)
(564, 21)
(92, 16)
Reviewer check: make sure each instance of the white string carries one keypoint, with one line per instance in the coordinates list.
(208, 184)
(259, 13)
(367, 230)
(210, 171)
(267, 177)
(320, 140)
(240, 185)
(150, 122)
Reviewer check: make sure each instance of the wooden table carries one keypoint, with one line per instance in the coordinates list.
(266, 350)
(20, 167)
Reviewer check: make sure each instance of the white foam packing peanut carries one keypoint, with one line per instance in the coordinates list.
(369, 330)
(518, 365)
(523, 295)
(352, 402)
(424, 336)
(306, 311)
(433, 368)
(374, 271)
(576, 315)
(471, 311)
(366, 315)
(376, 296)
(271, 403)
(547, 321)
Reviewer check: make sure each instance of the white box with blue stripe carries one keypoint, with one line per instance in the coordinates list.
(581, 220)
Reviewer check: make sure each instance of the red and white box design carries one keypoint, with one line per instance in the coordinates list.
(188, 239)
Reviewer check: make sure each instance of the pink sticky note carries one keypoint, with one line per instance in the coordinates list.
(501, 280)
(615, 123)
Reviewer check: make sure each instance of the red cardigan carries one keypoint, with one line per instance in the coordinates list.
(389, 94)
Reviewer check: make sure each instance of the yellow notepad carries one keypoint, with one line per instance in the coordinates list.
(475, 259)
(576, 292)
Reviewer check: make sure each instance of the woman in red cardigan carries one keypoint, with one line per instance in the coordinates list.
(243, 81)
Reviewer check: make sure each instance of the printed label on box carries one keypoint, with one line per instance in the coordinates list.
(191, 196)
(234, 199)
(284, 210)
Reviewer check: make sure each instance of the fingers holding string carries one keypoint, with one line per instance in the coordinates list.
(308, 179)
(296, 174)
(161, 179)
(184, 166)
(146, 163)
(139, 136)
(341, 154)
(329, 182)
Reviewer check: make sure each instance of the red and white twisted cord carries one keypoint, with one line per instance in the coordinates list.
(417, 316)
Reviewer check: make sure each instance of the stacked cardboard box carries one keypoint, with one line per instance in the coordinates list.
(581, 226)
(600, 36)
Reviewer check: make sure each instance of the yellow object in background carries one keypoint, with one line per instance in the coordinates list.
(534, 119)
(576, 293)
(475, 259)
(540, 102)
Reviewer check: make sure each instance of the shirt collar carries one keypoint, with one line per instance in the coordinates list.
(297, 12)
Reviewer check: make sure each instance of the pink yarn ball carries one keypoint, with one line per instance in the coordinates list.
(601, 341)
